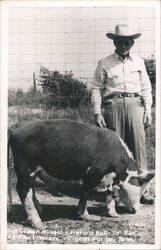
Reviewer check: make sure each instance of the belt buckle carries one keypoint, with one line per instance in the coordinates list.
(120, 95)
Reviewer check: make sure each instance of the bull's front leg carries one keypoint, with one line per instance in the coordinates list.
(111, 200)
(90, 181)
(82, 209)
(110, 205)
(87, 187)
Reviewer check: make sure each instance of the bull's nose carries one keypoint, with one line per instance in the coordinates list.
(132, 210)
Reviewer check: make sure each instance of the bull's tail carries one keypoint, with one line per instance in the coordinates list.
(9, 167)
(9, 170)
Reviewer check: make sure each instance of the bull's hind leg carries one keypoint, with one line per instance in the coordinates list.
(24, 189)
(36, 202)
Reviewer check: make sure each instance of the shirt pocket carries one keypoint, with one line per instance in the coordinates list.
(135, 75)
(113, 78)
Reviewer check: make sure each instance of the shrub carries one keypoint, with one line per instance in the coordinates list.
(150, 64)
(62, 90)
(34, 97)
(11, 97)
(31, 97)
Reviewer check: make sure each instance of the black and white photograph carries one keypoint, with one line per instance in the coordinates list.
(80, 125)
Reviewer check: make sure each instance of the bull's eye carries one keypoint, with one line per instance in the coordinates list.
(134, 181)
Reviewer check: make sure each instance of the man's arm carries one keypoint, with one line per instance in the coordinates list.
(146, 93)
(96, 98)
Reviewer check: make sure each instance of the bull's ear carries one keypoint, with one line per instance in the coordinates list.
(145, 178)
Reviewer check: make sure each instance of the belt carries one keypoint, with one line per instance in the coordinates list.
(120, 95)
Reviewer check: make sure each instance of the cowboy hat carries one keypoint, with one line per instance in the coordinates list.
(123, 31)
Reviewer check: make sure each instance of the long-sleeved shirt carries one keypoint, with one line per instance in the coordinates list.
(115, 75)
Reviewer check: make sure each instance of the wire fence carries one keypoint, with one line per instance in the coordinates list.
(71, 38)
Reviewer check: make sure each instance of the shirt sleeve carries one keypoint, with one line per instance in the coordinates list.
(146, 89)
(98, 81)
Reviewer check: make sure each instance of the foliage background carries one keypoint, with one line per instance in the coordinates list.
(63, 90)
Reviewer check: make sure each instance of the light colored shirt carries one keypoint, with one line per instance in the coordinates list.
(115, 75)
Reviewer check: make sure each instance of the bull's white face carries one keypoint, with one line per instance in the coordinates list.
(133, 187)
(130, 190)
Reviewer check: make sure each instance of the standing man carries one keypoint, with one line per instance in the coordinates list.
(121, 84)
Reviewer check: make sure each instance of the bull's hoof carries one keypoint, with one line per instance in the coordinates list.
(28, 219)
(39, 225)
(90, 217)
(112, 214)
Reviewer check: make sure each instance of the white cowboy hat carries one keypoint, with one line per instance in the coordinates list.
(123, 31)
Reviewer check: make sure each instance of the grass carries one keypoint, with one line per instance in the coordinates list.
(20, 114)
(150, 142)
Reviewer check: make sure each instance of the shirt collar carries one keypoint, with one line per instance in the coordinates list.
(117, 57)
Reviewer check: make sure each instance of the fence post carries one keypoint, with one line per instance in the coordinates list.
(34, 82)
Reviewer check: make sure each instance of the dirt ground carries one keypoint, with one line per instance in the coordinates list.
(59, 215)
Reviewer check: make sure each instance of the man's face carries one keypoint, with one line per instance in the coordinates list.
(123, 46)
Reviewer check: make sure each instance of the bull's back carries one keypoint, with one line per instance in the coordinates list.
(64, 148)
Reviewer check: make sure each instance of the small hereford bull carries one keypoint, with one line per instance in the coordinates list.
(69, 150)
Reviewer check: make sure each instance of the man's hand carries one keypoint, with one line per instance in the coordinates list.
(99, 120)
(147, 119)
